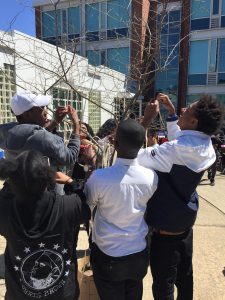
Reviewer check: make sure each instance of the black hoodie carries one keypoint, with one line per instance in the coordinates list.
(40, 256)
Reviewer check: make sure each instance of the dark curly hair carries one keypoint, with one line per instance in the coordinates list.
(89, 130)
(28, 173)
(210, 115)
(107, 128)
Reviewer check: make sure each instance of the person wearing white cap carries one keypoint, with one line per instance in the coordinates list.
(29, 132)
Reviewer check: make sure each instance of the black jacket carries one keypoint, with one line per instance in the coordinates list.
(40, 255)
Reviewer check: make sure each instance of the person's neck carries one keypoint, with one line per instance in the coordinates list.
(126, 156)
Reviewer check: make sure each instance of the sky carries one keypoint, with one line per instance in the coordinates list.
(18, 15)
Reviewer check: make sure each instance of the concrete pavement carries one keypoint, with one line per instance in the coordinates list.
(209, 246)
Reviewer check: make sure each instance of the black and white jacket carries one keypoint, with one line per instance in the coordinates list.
(180, 165)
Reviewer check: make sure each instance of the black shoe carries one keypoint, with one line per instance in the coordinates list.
(212, 183)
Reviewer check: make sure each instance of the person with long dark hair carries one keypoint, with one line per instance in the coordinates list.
(41, 230)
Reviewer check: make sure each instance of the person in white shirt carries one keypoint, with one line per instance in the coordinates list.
(121, 193)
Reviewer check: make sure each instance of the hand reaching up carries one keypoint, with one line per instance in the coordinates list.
(150, 113)
(166, 102)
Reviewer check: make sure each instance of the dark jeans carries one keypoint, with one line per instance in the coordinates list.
(119, 278)
(171, 263)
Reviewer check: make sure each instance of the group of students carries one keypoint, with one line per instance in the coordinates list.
(147, 192)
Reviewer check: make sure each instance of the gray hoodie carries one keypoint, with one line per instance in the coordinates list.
(15, 138)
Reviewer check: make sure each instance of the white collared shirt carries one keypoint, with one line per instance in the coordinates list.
(121, 193)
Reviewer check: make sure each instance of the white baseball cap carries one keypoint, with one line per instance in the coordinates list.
(25, 100)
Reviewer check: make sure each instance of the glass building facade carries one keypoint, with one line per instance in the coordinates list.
(168, 26)
(206, 14)
(207, 57)
(104, 21)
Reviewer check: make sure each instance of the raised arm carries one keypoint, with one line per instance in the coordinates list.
(172, 127)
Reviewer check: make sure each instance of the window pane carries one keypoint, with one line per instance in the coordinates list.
(216, 4)
(172, 74)
(118, 59)
(223, 7)
(163, 41)
(213, 54)
(92, 17)
(49, 21)
(93, 57)
(198, 60)
(174, 27)
(173, 61)
(200, 24)
(198, 79)
(173, 39)
(117, 33)
(200, 9)
(92, 36)
(118, 14)
(74, 20)
(174, 15)
(221, 67)
(221, 78)
(223, 21)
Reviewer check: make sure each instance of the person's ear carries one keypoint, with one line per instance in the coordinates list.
(194, 123)
(26, 115)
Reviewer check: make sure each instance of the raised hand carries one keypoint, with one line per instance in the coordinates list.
(150, 113)
(60, 113)
(166, 102)
(72, 113)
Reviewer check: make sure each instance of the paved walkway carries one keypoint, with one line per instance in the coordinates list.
(209, 246)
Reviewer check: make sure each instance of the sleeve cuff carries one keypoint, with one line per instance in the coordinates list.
(172, 118)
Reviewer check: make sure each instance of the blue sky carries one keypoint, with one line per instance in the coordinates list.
(17, 14)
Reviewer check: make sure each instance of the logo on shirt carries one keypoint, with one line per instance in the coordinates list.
(153, 153)
(42, 272)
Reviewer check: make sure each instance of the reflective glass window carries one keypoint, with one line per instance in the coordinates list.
(173, 61)
(93, 57)
(200, 8)
(223, 21)
(92, 16)
(174, 16)
(174, 27)
(73, 20)
(197, 79)
(200, 24)
(92, 36)
(198, 57)
(118, 14)
(213, 55)
(173, 39)
(221, 52)
(172, 74)
(221, 98)
(50, 21)
(117, 33)
(221, 78)
(163, 41)
(223, 7)
(118, 59)
(216, 4)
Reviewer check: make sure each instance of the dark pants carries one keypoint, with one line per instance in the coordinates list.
(212, 172)
(119, 278)
(171, 263)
